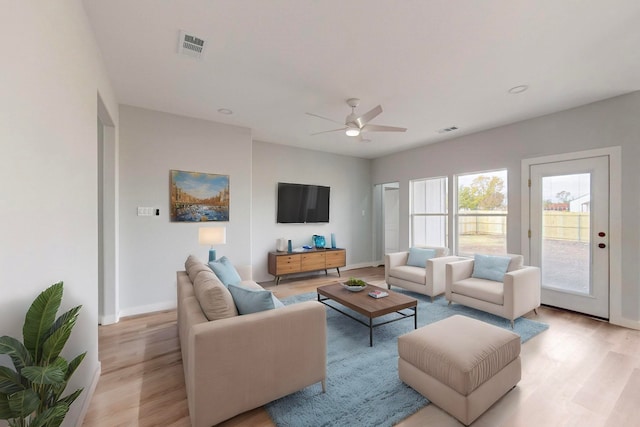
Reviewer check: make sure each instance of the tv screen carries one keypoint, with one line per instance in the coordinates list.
(300, 203)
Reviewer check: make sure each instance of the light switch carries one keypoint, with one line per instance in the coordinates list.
(145, 211)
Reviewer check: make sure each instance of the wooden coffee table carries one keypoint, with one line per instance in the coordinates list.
(369, 307)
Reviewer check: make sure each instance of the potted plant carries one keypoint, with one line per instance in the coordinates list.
(31, 396)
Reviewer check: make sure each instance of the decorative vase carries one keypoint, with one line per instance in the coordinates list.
(289, 247)
(319, 241)
(333, 241)
(281, 244)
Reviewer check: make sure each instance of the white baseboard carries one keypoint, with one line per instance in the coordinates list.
(89, 395)
(360, 265)
(108, 320)
(627, 323)
(143, 309)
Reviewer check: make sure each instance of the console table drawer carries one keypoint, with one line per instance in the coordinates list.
(287, 264)
(312, 261)
(335, 259)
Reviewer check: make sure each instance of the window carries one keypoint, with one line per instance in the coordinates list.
(482, 213)
(428, 212)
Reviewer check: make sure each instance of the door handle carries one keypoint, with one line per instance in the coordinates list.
(602, 245)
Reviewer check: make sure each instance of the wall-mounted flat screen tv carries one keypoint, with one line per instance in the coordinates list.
(300, 203)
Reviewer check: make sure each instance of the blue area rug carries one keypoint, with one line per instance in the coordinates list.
(363, 387)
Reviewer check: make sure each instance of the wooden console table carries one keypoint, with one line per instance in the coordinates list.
(282, 263)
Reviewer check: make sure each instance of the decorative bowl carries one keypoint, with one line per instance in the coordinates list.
(353, 288)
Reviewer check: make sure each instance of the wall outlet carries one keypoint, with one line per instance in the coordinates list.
(145, 211)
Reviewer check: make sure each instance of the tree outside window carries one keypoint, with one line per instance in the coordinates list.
(482, 213)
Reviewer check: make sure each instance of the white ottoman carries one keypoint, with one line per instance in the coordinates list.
(460, 364)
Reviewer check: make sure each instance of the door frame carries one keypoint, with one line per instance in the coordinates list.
(615, 219)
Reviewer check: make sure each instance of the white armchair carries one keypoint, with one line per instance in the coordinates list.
(428, 280)
(516, 295)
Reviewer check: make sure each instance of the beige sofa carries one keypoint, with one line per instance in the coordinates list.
(516, 295)
(428, 280)
(241, 362)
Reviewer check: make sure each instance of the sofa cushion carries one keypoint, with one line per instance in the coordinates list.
(480, 289)
(409, 273)
(418, 256)
(251, 300)
(490, 267)
(253, 285)
(195, 268)
(191, 259)
(225, 271)
(214, 298)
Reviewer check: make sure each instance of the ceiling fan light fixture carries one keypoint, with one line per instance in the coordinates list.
(353, 132)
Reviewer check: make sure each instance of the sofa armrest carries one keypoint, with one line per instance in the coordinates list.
(456, 271)
(243, 362)
(394, 259)
(521, 291)
(436, 271)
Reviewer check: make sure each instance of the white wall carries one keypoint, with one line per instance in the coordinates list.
(351, 194)
(153, 248)
(50, 78)
(612, 122)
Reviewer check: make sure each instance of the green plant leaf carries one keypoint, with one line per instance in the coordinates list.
(9, 381)
(73, 365)
(56, 338)
(17, 351)
(5, 410)
(23, 403)
(49, 374)
(39, 319)
(72, 397)
(50, 417)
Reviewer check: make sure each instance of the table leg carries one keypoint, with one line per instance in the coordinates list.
(370, 332)
(415, 317)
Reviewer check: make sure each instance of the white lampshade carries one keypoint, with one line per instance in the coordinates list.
(212, 235)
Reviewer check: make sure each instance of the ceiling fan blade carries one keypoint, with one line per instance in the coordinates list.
(325, 118)
(327, 131)
(380, 128)
(368, 116)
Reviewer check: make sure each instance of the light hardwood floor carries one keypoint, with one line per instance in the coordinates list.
(580, 372)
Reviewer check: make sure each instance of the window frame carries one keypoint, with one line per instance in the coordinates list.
(445, 202)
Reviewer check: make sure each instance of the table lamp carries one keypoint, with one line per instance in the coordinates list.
(212, 236)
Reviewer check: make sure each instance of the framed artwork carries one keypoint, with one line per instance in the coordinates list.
(199, 197)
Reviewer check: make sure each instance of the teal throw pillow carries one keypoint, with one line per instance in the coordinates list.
(418, 256)
(251, 300)
(490, 267)
(225, 271)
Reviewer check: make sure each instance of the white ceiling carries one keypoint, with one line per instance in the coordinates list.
(430, 64)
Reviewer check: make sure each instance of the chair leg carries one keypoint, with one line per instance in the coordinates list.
(388, 286)
(324, 386)
(432, 298)
(512, 324)
(535, 310)
(449, 302)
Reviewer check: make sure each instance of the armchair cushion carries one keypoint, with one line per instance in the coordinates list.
(410, 273)
(418, 256)
(490, 267)
(480, 289)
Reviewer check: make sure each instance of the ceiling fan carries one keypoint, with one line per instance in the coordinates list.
(355, 125)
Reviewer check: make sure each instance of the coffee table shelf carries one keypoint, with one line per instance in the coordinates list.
(369, 307)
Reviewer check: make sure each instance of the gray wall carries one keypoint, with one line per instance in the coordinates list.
(351, 194)
(48, 171)
(612, 122)
(152, 248)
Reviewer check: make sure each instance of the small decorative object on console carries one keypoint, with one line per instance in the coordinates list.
(378, 294)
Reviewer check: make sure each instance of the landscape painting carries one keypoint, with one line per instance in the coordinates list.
(199, 197)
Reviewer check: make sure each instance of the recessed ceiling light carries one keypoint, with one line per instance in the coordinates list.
(225, 111)
(518, 89)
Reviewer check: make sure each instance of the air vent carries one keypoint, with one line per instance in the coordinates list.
(190, 45)
(449, 129)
